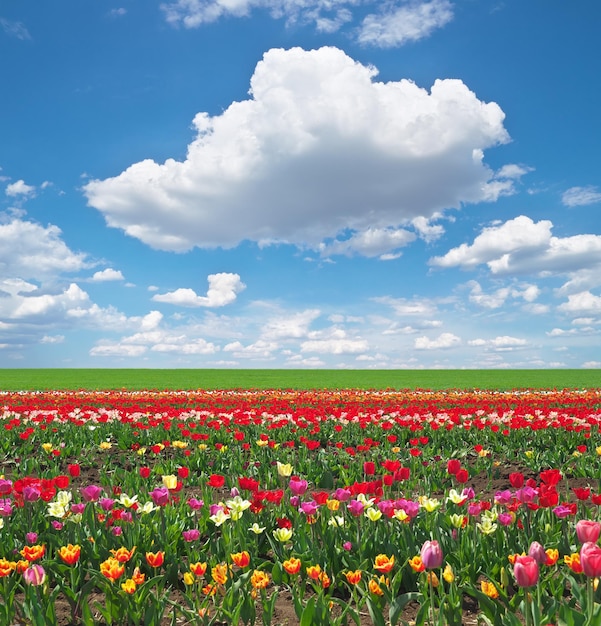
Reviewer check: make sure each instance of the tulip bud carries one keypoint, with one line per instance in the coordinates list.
(537, 552)
(431, 554)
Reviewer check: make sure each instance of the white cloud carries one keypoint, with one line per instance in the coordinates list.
(335, 346)
(15, 29)
(198, 346)
(392, 26)
(581, 303)
(410, 308)
(373, 242)
(521, 246)
(223, 290)
(581, 196)
(41, 253)
(107, 275)
(20, 188)
(116, 350)
(504, 342)
(498, 298)
(443, 341)
(49, 339)
(496, 243)
(591, 365)
(396, 25)
(290, 326)
(260, 349)
(319, 149)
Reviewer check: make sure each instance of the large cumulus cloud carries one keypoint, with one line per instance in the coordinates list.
(319, 148)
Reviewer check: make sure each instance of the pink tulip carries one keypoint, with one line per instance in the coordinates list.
(537, 552)
(298, 486)
(34, 575)
(431, 554)
(588, 530)
(525, 570)
(590, 559)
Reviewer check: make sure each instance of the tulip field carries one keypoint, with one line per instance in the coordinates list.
(300, 507)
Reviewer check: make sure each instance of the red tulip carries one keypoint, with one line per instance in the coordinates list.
(525, 570)
(590, 559)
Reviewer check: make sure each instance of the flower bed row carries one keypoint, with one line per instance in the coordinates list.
(149, 507)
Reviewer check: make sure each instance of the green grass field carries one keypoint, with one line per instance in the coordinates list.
(40, 379)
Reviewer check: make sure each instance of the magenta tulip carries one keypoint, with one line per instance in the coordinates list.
(525, 570)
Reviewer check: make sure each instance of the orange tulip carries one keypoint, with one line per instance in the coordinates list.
(375, 588)
(123, 554)
(241, 559)
(313, 571)
(220, 574)
(416, 564)
(129, 586)
(259, 579)
(112, 569)
(69, 554)
(384, 563)
(489, 589)
(6, 567)
(292, 565)
(33, 553)
(353, 577)
(155, 559)
(198, 569)
(138, 577)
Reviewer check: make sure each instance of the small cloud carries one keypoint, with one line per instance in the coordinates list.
(403, 24)
(591, 365)
(19, 188)
(502, 343)
(581, 196)
(118, 350)
(443, 341)
(15, 29)
(223, 289)
(117, 12)
(52, 339)
(107, 275)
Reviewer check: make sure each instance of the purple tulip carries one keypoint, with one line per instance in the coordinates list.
(160, 496)
(31, 493)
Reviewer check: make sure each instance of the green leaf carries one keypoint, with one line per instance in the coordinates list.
(308, 612)
(398, 604)
(375, 612)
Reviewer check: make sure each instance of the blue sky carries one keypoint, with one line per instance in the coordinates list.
(300, 184)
